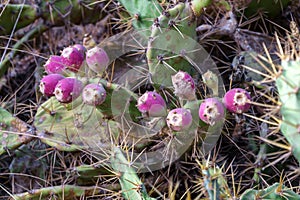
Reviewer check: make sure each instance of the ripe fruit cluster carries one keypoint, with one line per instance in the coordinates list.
(72, 58)
(151, 104)
(67, 89)
(211, 110)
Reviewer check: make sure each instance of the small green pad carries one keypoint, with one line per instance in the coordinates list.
(13, 131)
(276, 191)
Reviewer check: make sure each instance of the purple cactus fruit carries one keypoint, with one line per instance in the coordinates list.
(152, 104)
(97, 59)
(211, 110)
(184, 86)
(237, 100)
(68, 89)
(73, 58)
(80, 48)
(93, 94)
(48, 83)
(55, 65)
(179, 119)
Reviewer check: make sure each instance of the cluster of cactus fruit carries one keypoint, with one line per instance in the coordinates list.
(211, 110)
(67, 89)
(152, 104)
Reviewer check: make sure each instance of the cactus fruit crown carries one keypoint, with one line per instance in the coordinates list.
(184, 85)
(152, 104)
(93, 94)
(97, 59)
(55, 65)
(179, 119)
(237, 100)
(73, 58)
(211, 110)
(48, 83)
(68, 89)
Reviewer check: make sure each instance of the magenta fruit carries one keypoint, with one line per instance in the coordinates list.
(237, 100)
(179, 119)
(68, 89)
(184, 86)
(97, 59)
(48, 83)
(80, 48)
(73, 58)
(55, 65)
(152, 104)
(211, 110)
(93, 94)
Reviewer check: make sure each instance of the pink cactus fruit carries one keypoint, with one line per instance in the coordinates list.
(184, 85)
(93, 94)
(48, 83)
(152, 104)
(80, 48)
(55, 65)
(68, 89)
(97, 59)
(211, 110)
(179, 119)
(73, 58)
(237, 100)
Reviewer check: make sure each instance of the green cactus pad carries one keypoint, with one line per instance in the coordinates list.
(272, 7)
(68, 129)
(10, 13)
(75, 11)
(67, 192)
(288, 84)
(87, 174)
(172, 44)
(214, 182)
(13, 132)
(132, 186)
(142, 11)
(276, 191)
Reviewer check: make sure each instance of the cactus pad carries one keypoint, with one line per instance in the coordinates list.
(81, 127)
(13, 132)
(276, 191)
(288, 84)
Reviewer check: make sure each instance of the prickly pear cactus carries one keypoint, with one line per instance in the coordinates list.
(143, 12)
(9, 16)
(276, 191)
(132, 186)
(57, 192)
(74, 129)
(88, 174)
(13, 132)
(271, 8)
(54, 12)
(288, 84)
(214, 182)
(171, 45)
(76, 125)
